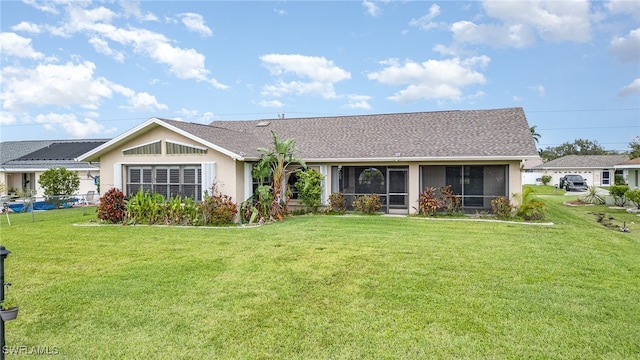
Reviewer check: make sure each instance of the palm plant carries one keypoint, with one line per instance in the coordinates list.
(277, 160)
(536, 136)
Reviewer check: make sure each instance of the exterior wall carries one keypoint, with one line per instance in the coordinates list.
(632, 177)
(514, 175)
(593, 176)
(226, 168)
(13, 180)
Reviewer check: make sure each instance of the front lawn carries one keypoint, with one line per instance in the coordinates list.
(319, 287)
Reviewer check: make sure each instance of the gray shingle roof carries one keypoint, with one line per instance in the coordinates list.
(584, 162)
(472, 133)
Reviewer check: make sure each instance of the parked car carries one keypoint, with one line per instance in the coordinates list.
(573, 182)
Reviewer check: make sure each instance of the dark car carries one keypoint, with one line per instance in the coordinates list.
(573, 183)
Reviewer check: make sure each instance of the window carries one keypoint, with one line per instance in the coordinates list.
(167, 180)
(476, 185)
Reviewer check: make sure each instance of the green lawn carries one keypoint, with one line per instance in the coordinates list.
(327, 287)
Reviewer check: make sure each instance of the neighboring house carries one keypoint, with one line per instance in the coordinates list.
(598, 170)
(22, 163)
(479, 152)
(631, 172)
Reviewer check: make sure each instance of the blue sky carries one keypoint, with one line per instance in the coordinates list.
(83, 69)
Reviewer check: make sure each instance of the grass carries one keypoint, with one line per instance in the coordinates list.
(320, 287)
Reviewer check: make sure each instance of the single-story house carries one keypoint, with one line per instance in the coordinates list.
(631, 172)
(597, 170)
(479, 152)
(22, 163)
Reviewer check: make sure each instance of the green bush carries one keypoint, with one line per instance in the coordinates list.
(336, 203)
(59, 182)
(367, 204)
(112, 207)
(546, 179)
(310, 186)
(530, 208)
(618, 191)
(619, 179)
(633, 196)
(502, 207)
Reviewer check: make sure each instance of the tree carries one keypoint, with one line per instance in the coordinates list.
(58, 182)
(536, 136)
(635, 148)
(578, 147)
(277, 159)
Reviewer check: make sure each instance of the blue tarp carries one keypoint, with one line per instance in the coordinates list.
(43, 205)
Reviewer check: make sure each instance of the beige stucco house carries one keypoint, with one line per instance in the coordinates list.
(597, 170)
(479, 152)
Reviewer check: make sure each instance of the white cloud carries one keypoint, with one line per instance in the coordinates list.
(27, 27)
(132, 8)
(371, 8)
(58, 85)
(195, 23)
(7, 118)
(358, 102)
(515, 35)
(316, 68)
(102, 47)
(624, 7)
(627, 49)
(16, 45)
(633, 88)
(520, 21)
(183, 63)
(271, 103)
(424, 22)
(432, 79)
(538, 89)
(65, 86)
(321, 72)
(145, 102)
(280, 12)
(74, 127)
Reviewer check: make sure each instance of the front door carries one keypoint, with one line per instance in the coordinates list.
(398, 197)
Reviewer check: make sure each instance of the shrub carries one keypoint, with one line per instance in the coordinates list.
(618, 179)
(502, 207)
(449, 200)
(217, 208)
(310, 186)
(633, 196)
(180, 211)
(112, 207)
(546, 179)
(336, 203)
(618, 191)
(57, 182)
(428, 203)
(530, 208)
(146, 208)
(592, 196)
(367, 204)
